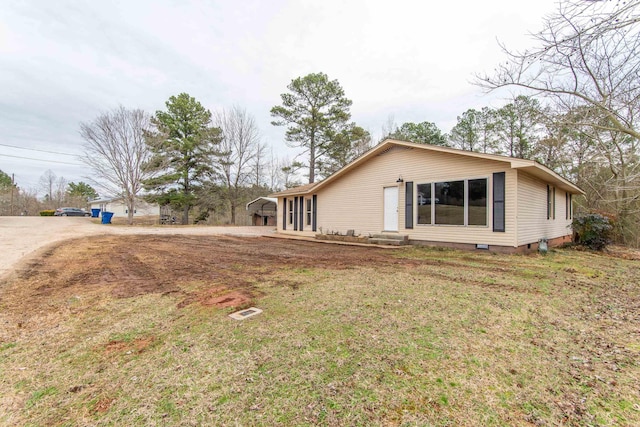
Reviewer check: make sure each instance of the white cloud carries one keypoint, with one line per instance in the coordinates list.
(63, 62)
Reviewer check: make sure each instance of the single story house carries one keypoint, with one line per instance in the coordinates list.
(119, 208)
(263, 211)
(435, 195)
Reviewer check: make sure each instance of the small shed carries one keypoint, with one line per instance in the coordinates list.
(263, 211)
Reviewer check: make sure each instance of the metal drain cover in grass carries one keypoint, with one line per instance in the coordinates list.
(245, 314)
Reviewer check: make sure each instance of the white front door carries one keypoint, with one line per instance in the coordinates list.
(391, 209)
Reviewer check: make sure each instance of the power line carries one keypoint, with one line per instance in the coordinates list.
(35, 149)
(42, 160)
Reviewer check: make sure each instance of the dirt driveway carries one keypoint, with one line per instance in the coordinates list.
(22, 237)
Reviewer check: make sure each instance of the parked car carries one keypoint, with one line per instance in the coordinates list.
(426, 200)
(71, 212)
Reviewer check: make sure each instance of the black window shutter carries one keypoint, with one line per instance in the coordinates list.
(498, 201)
(408, 204)
(548, 202)
(284, 213)
(315, 213)
(295, 214)
(301, 213)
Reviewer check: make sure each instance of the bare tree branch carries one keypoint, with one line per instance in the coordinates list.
(115, 151)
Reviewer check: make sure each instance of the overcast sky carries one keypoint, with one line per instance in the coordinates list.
(63, 62)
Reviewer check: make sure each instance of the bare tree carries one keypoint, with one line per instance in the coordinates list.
(47, 181)
(51, 184)
(275, 180)
(115, 150)
(586, 56)
(238, 148)
(586, 63)
(60, 191)
(388, 128)
(27, 201)
(259, 164)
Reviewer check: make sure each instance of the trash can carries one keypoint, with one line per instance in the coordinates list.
(106, 217)
(95, 213)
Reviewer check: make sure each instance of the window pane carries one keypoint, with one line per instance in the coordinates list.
(477, 202)
(449, 201)
(424, 203)
(290, 211)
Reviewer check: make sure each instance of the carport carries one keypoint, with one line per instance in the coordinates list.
(263, 211)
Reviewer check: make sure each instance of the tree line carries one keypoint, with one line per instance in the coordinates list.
(58, 192)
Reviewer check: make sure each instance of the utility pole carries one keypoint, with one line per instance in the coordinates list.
(13, 177)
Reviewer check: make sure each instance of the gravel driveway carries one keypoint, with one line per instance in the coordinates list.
(22, 236)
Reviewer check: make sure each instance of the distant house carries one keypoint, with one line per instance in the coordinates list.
(263, 211)
(119, 208)
(435, 195)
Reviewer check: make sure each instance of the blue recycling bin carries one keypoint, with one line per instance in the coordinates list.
(95, 213)
(106, 217)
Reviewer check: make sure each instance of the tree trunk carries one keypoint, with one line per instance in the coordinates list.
(185, 215)
(233, 214)
(312, 159)
(131, 205)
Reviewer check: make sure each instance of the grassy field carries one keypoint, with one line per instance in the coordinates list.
(409, 337)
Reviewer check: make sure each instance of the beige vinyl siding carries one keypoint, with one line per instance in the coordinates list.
(532, 219)
(355, 201)
(282, 207)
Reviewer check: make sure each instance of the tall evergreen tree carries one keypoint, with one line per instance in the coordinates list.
(517, 126)
(5, 180)
(422, 133)
(184, 148)
(314, 110)
(465, 135)
(345, 146)
(81, 190)
(476, 131)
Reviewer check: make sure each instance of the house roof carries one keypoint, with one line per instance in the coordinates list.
(261, 201)
(262, 205)
(530, 166)
(114, 199)
(298, 190)
(105, 200)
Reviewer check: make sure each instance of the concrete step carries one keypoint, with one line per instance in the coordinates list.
(390, 242)
(400, 237)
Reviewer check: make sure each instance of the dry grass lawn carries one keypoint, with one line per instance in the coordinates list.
(130, 330)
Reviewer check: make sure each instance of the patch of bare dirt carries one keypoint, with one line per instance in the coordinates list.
(103, 405)
(230, 299)
(208, 270)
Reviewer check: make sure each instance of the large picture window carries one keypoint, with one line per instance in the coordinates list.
(424, 204)
(477, 202)
(449, 198)
(463, 202)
